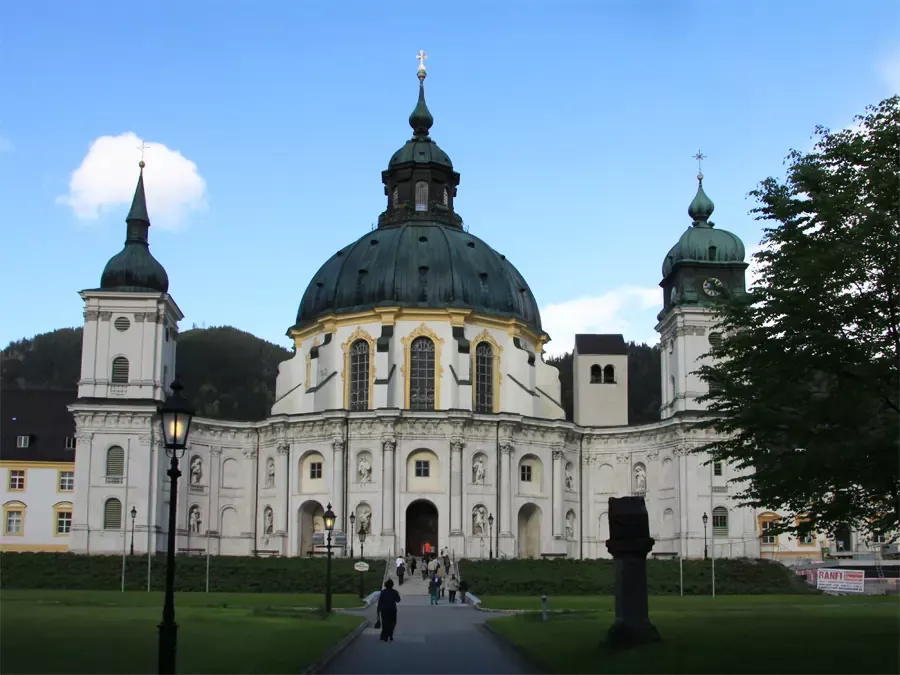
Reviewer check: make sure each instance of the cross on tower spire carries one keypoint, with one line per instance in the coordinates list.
(143, 146)
(699, 157)
(421, 56)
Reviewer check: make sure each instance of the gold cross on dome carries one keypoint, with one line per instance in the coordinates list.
(421, 56)
(699, 157)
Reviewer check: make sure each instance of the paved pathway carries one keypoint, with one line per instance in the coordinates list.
(435, 640)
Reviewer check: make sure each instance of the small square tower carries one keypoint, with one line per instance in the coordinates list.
(600, 380)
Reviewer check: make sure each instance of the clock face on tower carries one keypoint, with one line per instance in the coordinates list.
(712, 287)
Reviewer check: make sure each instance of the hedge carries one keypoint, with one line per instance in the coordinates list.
(597, 577)
(228, 574)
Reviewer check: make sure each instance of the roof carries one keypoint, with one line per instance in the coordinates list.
(600, 343)
(419, 265)
(41, 414)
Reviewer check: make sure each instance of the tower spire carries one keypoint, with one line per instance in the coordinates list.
(138, 220)
(421, 120)
(701, 206)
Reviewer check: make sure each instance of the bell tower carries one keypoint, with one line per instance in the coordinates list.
(704, 266)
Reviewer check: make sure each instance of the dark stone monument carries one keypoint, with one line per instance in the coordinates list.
(629, 543)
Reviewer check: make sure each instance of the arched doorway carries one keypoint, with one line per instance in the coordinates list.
(842, 540)
(530, 531)
(310, 518)
(421, 526)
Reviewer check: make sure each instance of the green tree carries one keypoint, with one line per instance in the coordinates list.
(804, 386)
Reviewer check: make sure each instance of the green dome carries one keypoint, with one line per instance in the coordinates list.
(419, 265)
(134, 269)
(702, 242)
(421, 150)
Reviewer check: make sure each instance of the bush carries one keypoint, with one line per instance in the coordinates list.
(227, 574)
(597, 577)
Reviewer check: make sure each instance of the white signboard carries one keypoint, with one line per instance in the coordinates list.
(841, 580)
(361, 567)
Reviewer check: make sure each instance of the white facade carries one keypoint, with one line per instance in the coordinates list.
(37, 500)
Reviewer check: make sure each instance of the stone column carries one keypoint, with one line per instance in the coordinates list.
(337, 488)
(387, 494)
(252, 477)
(629, 543)
(558, 486)
(506, 489)
(456, 486)
(282, 484)
(215, 479)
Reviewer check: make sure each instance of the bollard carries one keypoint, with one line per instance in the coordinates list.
(543, 608)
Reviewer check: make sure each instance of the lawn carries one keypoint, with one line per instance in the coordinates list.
(107, 632)
(604, 603)
(733, 635)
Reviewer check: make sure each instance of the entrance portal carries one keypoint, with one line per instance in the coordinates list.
(310, 519)
(530, 531)
(421, 526)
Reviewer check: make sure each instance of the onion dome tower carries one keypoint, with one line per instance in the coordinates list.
(419, 256)
(134, 268)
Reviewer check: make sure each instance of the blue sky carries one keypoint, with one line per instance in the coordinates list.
(573, 125)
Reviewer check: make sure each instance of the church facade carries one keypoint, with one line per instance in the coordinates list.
(417, 403)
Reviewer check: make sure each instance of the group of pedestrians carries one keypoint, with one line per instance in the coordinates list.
(440, 572)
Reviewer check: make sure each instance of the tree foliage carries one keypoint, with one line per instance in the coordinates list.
(644, 392)
(805, 384)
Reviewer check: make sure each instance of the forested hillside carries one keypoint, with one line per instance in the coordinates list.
(230, 374)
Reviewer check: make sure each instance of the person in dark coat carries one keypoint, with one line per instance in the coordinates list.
(387, 608)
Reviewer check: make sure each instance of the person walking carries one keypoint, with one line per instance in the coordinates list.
(387, 610)
(452, 587)
(434, 589)
(401, 570)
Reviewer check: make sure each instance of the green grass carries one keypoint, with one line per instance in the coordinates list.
(604, 603)
(107, 632)
(765, 637)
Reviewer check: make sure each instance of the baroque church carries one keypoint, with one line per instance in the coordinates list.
(417, 403)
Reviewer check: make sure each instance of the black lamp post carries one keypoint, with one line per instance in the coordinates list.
(329, 526)
(352, 522)
(175, 415)
(362, 555)
(133, 516)
(705, 548)
(491, 538)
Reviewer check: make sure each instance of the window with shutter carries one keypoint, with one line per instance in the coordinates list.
(120, 370)
(115, 465)
(720, 521)
(112, 514)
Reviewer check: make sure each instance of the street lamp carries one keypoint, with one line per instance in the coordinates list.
(133, 516)
(491, 538)
(329, 526)
(362, 555)
(175, 415)
(352, 521)
(705, 548)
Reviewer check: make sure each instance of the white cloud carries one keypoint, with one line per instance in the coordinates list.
(889, 69)
(108, 174)
(629, 310)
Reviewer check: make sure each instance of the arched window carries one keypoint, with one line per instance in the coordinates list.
(120, 370)
(609, 375)
(395, 197)
(596, 374)
(421, 196)
(720, 522)
(484, 378)
(421, 374)
(715, 339)
(446, 197)
(115, 465)
(359, 375)
(112, 514)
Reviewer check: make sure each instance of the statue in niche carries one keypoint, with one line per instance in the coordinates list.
(194, 521)
(640, 478)
(478, 470)
(479, 520)
(270, 473)
(196, 470)
(570, 525)
(364, 469)
(364, 518)
(268, 521)
(570, 479)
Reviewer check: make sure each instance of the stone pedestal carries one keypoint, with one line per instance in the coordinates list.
(629, 543)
